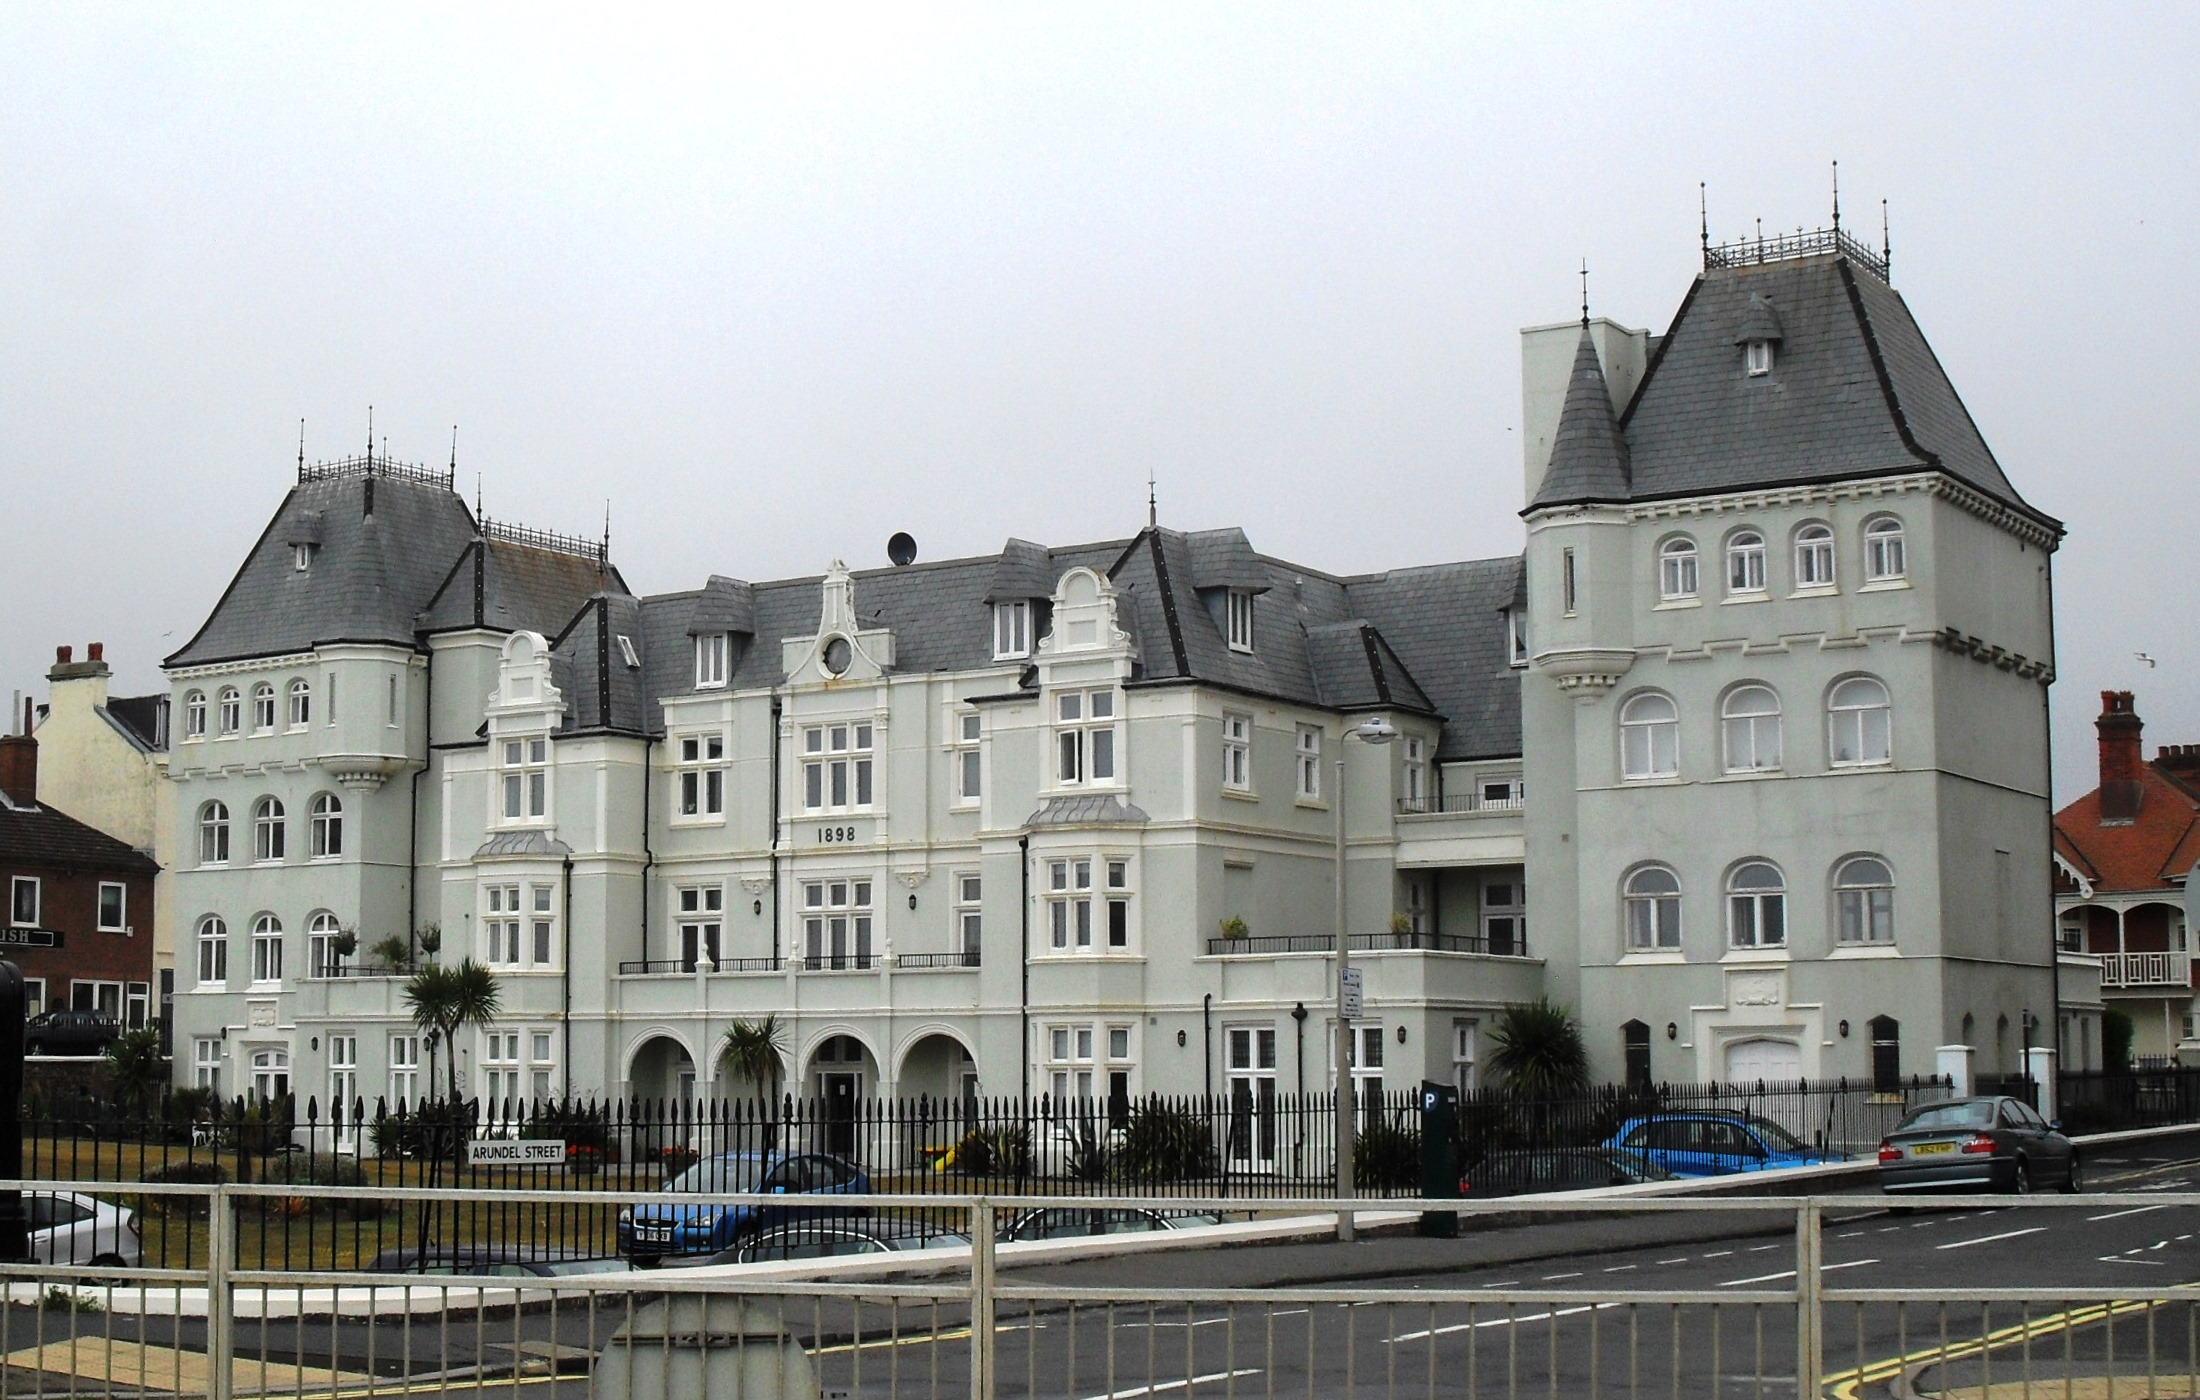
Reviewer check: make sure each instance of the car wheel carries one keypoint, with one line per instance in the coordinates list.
(2073, 1183)
(2021, 1183)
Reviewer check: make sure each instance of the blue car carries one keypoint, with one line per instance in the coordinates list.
(661, 1229)
(1715, 1144)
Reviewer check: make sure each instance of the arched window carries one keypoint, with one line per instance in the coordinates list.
(322, 959)
(232, 710)
(1885, 555)
(194, 715)
(267, 830)
(1886, 1034)
(328, 826)
(267, 949)
(1756, 906)
(1814, 557)
(263, 708)
(1649, 737)
(1857, 715)
(1653, 899)
(1635, 1045)
(1745, 562)
(213, 952)
(1677, 568)
(213, 833)
(1749, 722)
(301, 703)
(1864, 892)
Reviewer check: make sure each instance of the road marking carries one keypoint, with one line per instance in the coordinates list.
(1508, 1283)
(1761, 1248)
(1681, 1260)
(1716, 1254)
(1553, 1278)
(1175, 1385)
(1850, 1235)
(2120, 1214)
(1769, 1278)
(1506, 1321)
(1621, 1269)
(2158, 1246)
(1844, 1385)
(1989, 1239)
(2119, 1259)
(1168, 1322)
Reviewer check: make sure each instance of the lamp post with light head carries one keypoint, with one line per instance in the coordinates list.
(1372, 730)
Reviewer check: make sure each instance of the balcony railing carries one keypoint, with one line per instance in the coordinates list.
(1457, 802)
(968, 957)
(658, 967)
(2146, 969)
(838, 962)
(1270, 945)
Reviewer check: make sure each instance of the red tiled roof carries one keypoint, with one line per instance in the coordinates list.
(2154, 851)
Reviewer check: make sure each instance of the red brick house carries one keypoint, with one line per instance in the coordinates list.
(79, 914)
(2122, 853)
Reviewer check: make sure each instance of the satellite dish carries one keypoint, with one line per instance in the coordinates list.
(902, 548)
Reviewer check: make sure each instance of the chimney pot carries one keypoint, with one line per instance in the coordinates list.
(97, 651)
(61, 655)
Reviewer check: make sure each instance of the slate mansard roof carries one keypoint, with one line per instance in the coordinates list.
(1854, 391)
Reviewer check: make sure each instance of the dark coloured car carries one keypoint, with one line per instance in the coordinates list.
(1715, 1144)
(1557, 1169)
(70, 1033)
(1977, 1144)
(661, 1229)
(832, 1239)
(1075, 1222)
(494, 1261)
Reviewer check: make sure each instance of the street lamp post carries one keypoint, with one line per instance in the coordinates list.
(1373, 730)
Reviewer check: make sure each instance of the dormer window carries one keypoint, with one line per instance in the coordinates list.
(1011, 630)
(1516, 637)
(1757, 357)
(303, 555)
(1241, 619)
(627, 653)
(710, 659)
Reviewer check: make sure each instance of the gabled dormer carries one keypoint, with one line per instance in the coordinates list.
(1018, 599)
(1229, 577)
(842, 650)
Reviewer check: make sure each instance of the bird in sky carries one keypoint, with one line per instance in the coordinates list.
(2146, 658)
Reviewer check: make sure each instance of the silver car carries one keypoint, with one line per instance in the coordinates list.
(67, 1228)
(1980, 1144)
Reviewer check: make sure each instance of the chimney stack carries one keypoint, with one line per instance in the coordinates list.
(19, 764)
(2121, 756)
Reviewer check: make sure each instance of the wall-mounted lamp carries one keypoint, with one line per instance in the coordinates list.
(756, 907)
(1180, 1040)
(1672, 1032)
(314, 1042)
(1844, 1030)
(1298, 1013)
(1401, 1035)
(912, 901)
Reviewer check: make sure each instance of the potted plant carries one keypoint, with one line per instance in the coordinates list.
(1401, 922)
(1234, 928)
(342, 946)
(393, 952)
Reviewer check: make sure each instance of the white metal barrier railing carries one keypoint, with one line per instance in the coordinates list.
(941, 1326)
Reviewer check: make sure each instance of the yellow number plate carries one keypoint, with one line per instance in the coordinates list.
(1931, 1149)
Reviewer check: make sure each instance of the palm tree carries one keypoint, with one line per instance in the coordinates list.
(752, 1049)
(1536, 1050)
(445, 1000)
(136, 1068)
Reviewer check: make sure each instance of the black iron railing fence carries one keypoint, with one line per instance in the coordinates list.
(1270, 944)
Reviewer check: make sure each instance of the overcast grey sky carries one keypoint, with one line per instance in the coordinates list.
(778, 287)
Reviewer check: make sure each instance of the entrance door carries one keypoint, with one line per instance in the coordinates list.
(1772, 1061)
(840, 1111)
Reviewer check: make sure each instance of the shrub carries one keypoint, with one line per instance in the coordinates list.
(1386, 1156)
(197, 1173)
(993, 1152)
(434, 1131)
(308, 1169)
(1163, 1144)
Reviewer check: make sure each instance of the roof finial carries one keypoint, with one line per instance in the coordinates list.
(1153, 504)
(1585, 294)
(1837, 199)
(454, 449)
(478, 517)
(603, 554)
(370, 437)
(301, 449)
(1703, 219)
(1886, 249)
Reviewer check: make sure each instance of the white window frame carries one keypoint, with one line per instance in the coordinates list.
(326, 841)
(1757, 358)
(267, 951)
(1237, 752)
(1249, 1061)
(322, 959)
(837, 923)
(1307, 762)
(1678, 571)
(1649, 740)
(520, 924)
(206, 1064)
(301, 703)
(214, 832)
(1568, 584)
(34, 996)
(1071, 1061)
(542, 1065)
(1516, 637)
(1088, 738)
(712, 650)
(1745, 564)
(1652, 913)
(1814, 557)
(968, 757)
(1012, 629)
(1750, 739)
(523, 779)
(404, 1069)
(969, 890)
(194, 716)
(343, 1088)
(119, 921)
(1088, 904)
(212, 941)
(1864, 903)
(1756, 915)
(501, 1068)
(1413, 772)
(699, 787)
(263, 708)
(1466, 1045)
(1238, 609)
(1886, 550)
(701, 923)
(838, 766)
(270, 830)
(1859, 730)
(26, 900)
(231, 711)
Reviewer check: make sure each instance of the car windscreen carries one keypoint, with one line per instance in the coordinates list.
(1977, 1114)
(1776, 1137)
(719, 1174)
